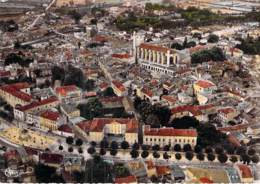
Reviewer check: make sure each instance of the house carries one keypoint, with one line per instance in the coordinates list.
(70, 110)
(110, 128)
(150, 168)
(206, 174)
(51, 159)
(245, 173)
(27, 112)
(50, 120)
(169, 100)
(169, 136)
(204, 87)
(227, 114)
(73, 162)
(69, 94)
(16, 94)
(119, 88)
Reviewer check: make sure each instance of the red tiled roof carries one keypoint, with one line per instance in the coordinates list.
(111, 99)
(14, 90)
(147, 91)
(156, 48)
(234, 128)
(103, 85)
(119, 85)
(53, 116)
(162, 170)
(127, 179)
(205, 180)
(170, 132)
(100, 38)
(4, 73)
(226, 110)
(149, 164)
(31, 151)
(121, 56)
(245, 171)
(97, 124)
(63, 90)
(169, 98)
(12, 154)
(194, 109)
(37, 104)
(204, 84)
(51, 158)
(65, 128)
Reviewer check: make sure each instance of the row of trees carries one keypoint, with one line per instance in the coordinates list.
(184, 45)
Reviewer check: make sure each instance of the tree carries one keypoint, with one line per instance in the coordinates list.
(189, 155)
(104, 143)
(177, 147)
(197, 149)
(135, 146)
(98, 171)
(79, 176)
(114, 145)
(241, 150)
(245, 158)
(251, 152)
(102, 151)
(80, 150)
(185, 122)
(200, 156)
(124, 145)
(166, 148)
(211, 157)
(79, 142)
(154, 179)
(69, 140)
(93, 143)
(109, 92)
(166, 156)
(219, 150)
(156, 147)
(255, 159)
(233, 159)
(222, 158)
(187, 147)
(178, 156)
(134, 153)
(145, 147)
(230, 149)
(177, 46)
(113, 152)
(74, 76)
(213, 38)
(60, 147)
(153, 120)
(70, 149)
(58, 73)
(137, 102)
(92, 109)
(89, 85)
(75, 15)
(46, 174)
(156, 154)
(208, 150)
(91, 150)
(145, 154)
(215, 54)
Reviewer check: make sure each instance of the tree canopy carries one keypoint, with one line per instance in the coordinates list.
(215, 54)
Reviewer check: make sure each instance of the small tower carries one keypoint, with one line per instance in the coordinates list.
(138, 38)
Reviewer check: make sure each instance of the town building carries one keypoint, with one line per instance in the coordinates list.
(117, 129)
(169, 136)
(68, 94)
(157, 58)
(16, 94)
